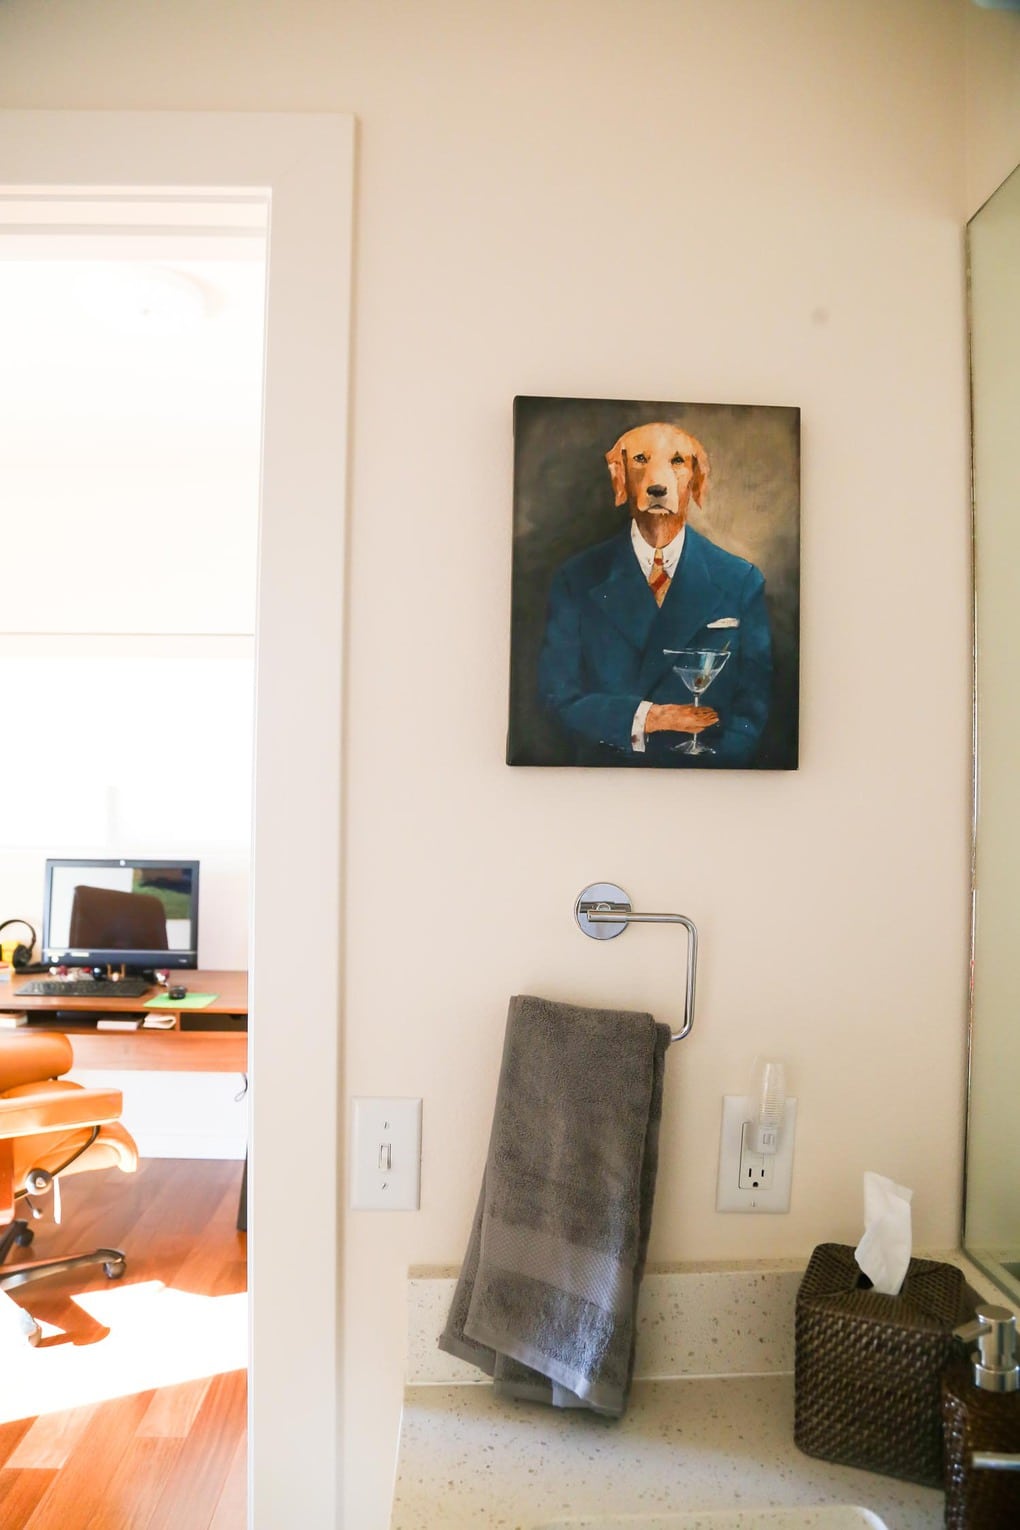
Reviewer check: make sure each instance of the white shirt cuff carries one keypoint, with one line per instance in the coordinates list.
(637, 728)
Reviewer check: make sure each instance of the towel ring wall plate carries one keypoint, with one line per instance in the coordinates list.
(603, 910)
(601, 897)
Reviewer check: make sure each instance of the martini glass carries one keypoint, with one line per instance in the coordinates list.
(697, 668)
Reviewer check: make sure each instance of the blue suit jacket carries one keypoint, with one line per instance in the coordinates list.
(605, 641)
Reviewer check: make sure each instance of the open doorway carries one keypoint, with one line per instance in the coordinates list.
(303, 168)
(132, 399)
(131, 396)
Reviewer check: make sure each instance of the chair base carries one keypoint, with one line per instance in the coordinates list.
(15, 1232)
(111, 1259)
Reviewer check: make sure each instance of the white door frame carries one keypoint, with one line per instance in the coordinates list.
(304, 163)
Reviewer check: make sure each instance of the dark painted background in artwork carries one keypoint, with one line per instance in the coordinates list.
(563, 502)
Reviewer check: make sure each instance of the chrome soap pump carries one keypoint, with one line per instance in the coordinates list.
(981, 1425)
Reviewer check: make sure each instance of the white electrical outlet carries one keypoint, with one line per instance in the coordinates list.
(750, 1181)
(385, 1155)
(757, 1170)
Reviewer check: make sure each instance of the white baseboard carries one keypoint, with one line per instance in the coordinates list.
(170, 1144)
(180, 1115)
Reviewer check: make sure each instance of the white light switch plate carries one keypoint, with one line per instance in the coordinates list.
(385, 1154)
(747, 1181)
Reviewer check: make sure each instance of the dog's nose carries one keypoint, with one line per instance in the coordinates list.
(657, 490)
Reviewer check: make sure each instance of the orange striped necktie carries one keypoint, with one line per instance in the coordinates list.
(658, 580)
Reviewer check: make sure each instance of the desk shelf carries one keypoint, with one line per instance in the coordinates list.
(161, 1051)
(213, 1039)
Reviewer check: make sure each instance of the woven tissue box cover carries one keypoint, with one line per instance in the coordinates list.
(868, 1366)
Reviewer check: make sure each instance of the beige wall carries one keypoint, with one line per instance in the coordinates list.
(994, 1128)
(993, 149)
(992, 134)
(718, 202)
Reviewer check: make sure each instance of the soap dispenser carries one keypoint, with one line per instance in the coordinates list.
(981, 1424)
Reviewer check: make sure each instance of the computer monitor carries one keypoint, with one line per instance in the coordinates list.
(132, 914)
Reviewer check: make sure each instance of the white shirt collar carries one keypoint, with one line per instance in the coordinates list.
(646, 555)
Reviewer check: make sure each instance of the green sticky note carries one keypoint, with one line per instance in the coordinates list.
(190, 1001)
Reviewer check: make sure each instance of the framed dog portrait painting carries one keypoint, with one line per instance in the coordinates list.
(656, 585)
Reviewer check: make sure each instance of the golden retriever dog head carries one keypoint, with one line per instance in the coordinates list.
(656, 470)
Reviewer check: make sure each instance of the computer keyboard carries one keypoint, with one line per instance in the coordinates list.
(85, 988)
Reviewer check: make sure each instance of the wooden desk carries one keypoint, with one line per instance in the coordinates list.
(195, 1045)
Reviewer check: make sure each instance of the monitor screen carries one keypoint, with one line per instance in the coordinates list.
(125, 913)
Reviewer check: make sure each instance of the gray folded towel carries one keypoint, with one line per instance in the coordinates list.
(547, 1295)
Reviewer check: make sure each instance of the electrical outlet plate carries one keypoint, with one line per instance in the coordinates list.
(751, 1181)
(385, 1154)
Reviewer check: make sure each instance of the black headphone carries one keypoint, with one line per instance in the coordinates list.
(22, 954)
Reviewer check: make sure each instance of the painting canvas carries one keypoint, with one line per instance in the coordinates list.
(656, 585)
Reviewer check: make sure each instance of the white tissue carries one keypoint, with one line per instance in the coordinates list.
(884, 1251)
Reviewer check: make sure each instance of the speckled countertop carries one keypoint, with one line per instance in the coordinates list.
(471, 1459)
(709, 1425)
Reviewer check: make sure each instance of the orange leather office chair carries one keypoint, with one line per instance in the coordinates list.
(49, 1127)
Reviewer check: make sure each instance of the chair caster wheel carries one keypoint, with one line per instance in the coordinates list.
(114, 1269)
(24, 1238)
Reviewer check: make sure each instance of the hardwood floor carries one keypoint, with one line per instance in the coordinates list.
(138, 1389)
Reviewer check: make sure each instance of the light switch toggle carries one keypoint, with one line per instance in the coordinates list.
(385, 1154)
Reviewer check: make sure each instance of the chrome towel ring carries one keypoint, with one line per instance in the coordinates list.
(603, 911)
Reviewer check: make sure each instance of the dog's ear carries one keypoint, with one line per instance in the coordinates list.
(700, 466)
(615, 461)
